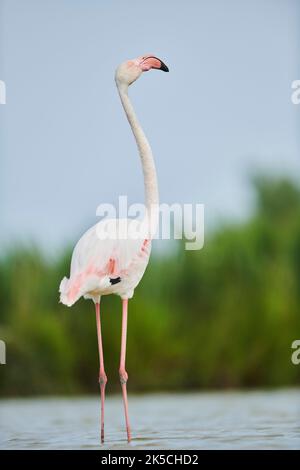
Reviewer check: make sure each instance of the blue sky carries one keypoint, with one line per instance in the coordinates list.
(222, 112)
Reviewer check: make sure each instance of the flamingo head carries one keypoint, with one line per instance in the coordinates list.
(129, 71)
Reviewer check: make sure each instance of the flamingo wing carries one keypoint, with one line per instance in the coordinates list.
(111, 265)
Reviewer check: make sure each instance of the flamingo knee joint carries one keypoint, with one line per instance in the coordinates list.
(123, 377)
(102, 379)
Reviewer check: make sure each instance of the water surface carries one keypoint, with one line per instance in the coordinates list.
(239, 420)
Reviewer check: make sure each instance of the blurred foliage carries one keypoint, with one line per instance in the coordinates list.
(221, 317)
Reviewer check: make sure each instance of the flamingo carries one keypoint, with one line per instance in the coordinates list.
(116, 264)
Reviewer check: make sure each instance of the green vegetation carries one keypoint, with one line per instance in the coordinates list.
(221, 317)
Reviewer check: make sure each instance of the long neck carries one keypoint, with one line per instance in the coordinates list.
(147, 160)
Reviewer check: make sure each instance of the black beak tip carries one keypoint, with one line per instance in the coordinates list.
(163, 67)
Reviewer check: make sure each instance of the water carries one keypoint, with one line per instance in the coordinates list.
(251, 420)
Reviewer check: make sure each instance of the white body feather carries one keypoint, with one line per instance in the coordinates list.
(97, 262)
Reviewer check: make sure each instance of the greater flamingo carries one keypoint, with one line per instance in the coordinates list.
(115, 264)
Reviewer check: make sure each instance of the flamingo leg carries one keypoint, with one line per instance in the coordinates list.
(102, 375)
(122, 370)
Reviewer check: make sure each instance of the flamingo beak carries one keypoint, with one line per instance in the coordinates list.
(151, 62)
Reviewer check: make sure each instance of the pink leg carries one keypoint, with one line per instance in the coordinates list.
(102, 375)
(122, 370)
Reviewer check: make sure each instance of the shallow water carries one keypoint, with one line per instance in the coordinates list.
(239, 420)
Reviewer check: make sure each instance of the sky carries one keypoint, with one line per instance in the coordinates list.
(223, 112)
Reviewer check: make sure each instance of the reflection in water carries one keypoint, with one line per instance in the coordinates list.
(264, 420)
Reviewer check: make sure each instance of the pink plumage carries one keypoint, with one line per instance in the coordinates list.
(102, 267)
